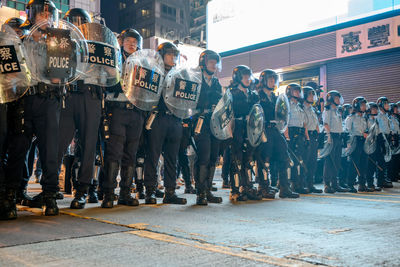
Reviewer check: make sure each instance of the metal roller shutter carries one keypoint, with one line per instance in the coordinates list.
(371, 76)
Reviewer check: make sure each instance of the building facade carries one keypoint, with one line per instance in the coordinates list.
(92, 6)
(357, 58)
(162, 18)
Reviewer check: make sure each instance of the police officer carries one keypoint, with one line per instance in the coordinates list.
(125, 128)
(275, 150)
(319, 104)
(394, 165)
(297, 135)
(356, 126)
(82, 112)
(22, 196)
(372, 164)
(241, 151)
(165, 136)
(333, 129)
(37, 113)
(312, 126)
(207, 145)
(346, 166)
(384, 131)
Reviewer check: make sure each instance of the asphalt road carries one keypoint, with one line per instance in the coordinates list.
(335, 230)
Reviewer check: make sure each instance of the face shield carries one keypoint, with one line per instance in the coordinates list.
(40, 13)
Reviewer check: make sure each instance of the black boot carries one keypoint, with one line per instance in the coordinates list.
(284, 189)
(79, 200)
(337, 187)
(265, 192)
(159, 193)
(201, 199)
(252, 193)
(285, 192)
(8, 208)
(328, 189)
(93, 197)
(125, 198)
(313, 189)
(50, 203)
(150, 195)
(108, 200)
(109, 182)
(170, 197)
(36, 201)
(213, 199)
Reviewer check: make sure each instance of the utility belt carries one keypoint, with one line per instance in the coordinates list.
(45, 90)
(297, 130)
(121, 105)
(313, 133)
(168, 113)
(80, 87)
(335, 135)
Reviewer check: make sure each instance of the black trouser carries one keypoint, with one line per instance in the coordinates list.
(394, 164)
(207, 155)
(41, 115)
(183, 161)
(310, 159)
(358, 163)
(241, 158)
(377, 163)
(3, 135)
(165, 136)
(82, 113)
(126, 126)
(275, 151)
(226, 164)
(332, 161)
(297, 145)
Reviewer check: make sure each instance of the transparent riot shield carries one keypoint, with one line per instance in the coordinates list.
(222, 121)
(182, 91)
(282, 110)
(143, 78)
(57, 53)
(255, 125)
(104, 59)
(15, 76)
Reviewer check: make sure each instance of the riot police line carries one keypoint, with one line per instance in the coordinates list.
(104, 106)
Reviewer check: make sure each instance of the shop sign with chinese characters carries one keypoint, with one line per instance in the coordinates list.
(374, 36)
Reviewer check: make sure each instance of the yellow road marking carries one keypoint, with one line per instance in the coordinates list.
(219, 249)
(373, 195)
(354, 198)
(201, 244)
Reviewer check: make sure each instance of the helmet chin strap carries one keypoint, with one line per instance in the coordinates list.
(209, 72)
(246, 87)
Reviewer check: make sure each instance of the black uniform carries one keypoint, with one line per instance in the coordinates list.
(241, 150)
(165, 136)
(37, 113)
(207, 145)
(125, 128)
(275, 150)
(82, 113)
